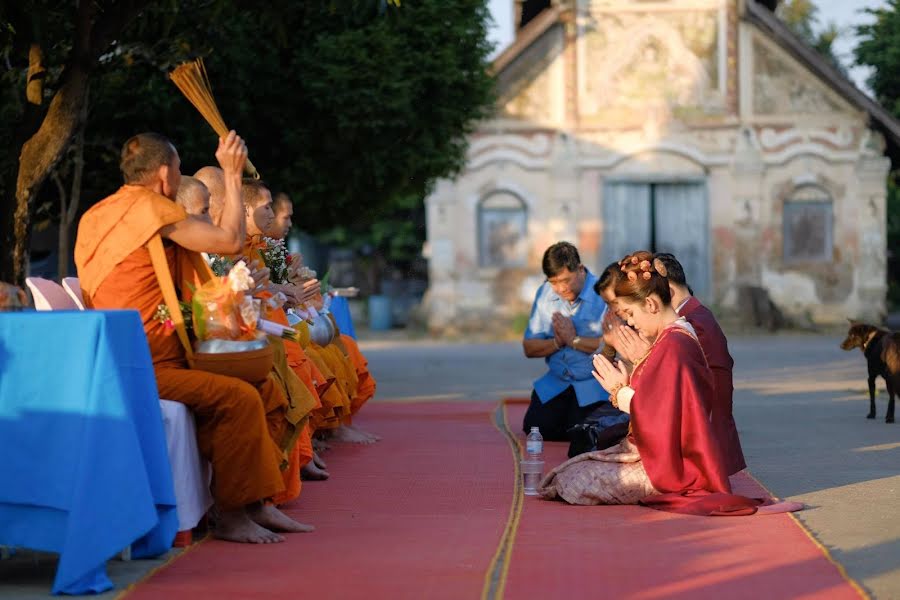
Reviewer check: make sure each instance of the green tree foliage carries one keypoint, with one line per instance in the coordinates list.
(353, 107)
(802, 16)
(879, 48)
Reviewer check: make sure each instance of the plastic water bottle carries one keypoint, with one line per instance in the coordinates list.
(534, 444)
(533, 463)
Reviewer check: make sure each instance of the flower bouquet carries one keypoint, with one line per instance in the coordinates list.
(222, 310)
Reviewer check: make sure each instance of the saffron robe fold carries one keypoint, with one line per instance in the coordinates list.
(715, 348)
(238, 424)
(673, 394)
(366, 384)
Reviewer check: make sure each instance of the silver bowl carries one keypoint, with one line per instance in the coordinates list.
(228, 346)
(322, 331)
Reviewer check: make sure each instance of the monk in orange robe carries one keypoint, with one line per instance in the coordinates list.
(362, 380)
(238, 423)
(333, 394)
(317, 384)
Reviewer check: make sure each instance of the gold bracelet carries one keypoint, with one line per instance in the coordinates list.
(615, 392)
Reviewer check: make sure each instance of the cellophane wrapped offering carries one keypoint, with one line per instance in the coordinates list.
(222, 310)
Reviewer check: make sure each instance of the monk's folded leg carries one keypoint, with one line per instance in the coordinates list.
(232, 432)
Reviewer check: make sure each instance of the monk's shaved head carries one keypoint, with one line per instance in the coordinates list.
(143, 155)
(284, 210)
(257, 206)
(254, 192)
(281, 203)
(193, 196)
(214, 180)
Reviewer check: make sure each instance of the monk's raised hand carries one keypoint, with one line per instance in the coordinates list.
(261, 277)
(309, 290)
(290, 292)
(232, 153)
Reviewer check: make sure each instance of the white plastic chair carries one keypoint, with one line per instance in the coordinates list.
(73, 288)
(190, 473)
(49, 295)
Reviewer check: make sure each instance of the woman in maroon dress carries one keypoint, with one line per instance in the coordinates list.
(670, 460)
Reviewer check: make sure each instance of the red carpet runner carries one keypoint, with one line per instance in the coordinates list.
(564, 551)
(417, 515)
(433, 512)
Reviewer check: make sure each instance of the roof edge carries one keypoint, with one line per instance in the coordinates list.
(769, 23)
(526, 37)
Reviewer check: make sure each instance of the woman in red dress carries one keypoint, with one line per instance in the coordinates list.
(670, 460)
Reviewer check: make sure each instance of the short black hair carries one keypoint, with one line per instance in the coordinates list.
(675, 272)
(608, 277)
(559, 256)
(143, 154)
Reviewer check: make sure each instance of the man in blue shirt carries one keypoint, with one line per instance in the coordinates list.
(565, 329)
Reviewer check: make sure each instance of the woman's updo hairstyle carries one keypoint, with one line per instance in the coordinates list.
(641, 276)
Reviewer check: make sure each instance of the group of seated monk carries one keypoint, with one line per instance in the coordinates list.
(637, 338)
(262, 438)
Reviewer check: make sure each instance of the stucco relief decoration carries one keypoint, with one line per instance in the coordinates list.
(780, 89)
(639, 64)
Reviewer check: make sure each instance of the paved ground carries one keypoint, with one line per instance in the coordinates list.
(800, 403)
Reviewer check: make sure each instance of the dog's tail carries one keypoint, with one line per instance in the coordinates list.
(892, 352)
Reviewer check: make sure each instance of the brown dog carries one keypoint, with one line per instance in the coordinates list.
(882, 351)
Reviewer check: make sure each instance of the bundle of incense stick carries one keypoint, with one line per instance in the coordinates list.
(278, 330)
(191, 79)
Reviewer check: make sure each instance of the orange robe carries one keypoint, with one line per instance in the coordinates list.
(300, 453)
(313, 362)
(365, 388)
(238, 424)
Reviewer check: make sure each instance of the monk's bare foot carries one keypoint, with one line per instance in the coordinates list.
(311, 472)
(372, 436)
(271, 518)
(237, 526)
(318, 461)
(352, 436)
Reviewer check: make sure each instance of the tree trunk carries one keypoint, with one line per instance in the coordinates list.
(39, 154)
(68, 209)
(43, 150)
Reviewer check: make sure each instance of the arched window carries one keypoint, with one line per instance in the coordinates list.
(808, 225)
(502, 230)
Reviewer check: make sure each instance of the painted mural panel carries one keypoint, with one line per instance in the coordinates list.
(635, 65)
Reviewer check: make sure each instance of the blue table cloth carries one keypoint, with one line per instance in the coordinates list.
(340, 309)
(84, 469)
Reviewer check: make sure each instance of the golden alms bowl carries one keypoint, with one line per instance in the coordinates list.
(250, 360)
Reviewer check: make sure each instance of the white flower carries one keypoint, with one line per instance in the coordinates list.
(239, 278)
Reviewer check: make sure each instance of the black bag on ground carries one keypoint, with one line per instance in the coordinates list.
(605, 427)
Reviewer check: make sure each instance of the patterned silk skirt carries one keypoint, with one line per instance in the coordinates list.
(612, 476)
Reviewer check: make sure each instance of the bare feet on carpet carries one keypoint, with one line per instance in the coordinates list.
(318, 461)
(237, 526)
(348, 433)
(270, 517)
(320, 445)
(311, 472)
